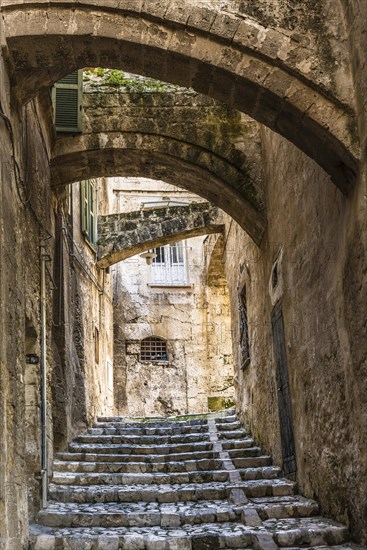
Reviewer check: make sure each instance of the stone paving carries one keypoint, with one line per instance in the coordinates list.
(198, 484)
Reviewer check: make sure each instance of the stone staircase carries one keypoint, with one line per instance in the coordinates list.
(177, 484)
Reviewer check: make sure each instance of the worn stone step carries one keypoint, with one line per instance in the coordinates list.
(111, 456)
(237, 444)
(66, 478)
(169, 493)
(154, 423)
(292, 506)
(143, 449)
(252, 461)
(311, 532)
(148, 514)
(188, 537)
(229, 419)
(243, 453)
(228, 426)
(142, 440)
(138, 515)
(314, 531)
(90, 478)
(232, 434)
(140, 467)
(153, 467)
(105, 428)
(164, 449)
(98, 436)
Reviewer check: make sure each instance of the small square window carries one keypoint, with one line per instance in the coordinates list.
(153, 349)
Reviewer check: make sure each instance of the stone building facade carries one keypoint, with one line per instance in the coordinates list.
(300, 73)
(169, 299)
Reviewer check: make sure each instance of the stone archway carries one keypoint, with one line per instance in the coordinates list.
(183, 138)
(280, 81)
(121, 236)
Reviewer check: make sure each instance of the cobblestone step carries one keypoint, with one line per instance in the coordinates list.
(232, 434)
(105, 428)
(141, 440)
(291, 506)
(311, 532)
(153, 423)
(154, 467)
(82, 479)
(66, 478)
(227, 419)
(169, 493)
(150, 459)
(156, 439)
(138, 515)
(112, 456)
(228, 425)
(106, 446)
(149, 514)
(315, 531)
(243, 453)
(139, 449)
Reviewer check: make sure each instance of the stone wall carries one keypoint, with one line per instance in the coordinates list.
(310, 228)
(26, 222)
(86, 322)
(31, 218)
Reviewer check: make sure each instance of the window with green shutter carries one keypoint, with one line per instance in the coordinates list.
(88, 211)
(67, 98)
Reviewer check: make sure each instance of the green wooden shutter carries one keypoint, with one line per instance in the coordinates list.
(84, 207)
(67, 98)
(88, 211)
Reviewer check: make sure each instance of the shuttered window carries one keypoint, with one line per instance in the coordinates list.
(169, 268)
(88, 211)
(67, 98)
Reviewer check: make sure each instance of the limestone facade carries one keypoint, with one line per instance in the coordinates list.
(174, 304)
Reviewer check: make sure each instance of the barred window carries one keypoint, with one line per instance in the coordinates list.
(153, 349)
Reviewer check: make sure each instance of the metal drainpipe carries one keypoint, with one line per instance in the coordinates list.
(44, 454)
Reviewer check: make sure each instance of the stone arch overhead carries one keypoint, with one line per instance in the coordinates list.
(156, 157)
(263, 72)
(121, 236)
(214, 143)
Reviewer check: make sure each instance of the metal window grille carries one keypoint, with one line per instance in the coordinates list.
(244, 333)
(153, 349)
(169, 268)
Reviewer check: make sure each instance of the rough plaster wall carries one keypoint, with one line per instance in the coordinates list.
(322, 279)
(183, 316)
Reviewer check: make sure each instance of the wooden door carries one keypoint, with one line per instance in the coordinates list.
(284, 395)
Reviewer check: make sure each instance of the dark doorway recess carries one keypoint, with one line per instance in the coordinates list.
(284, 395)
